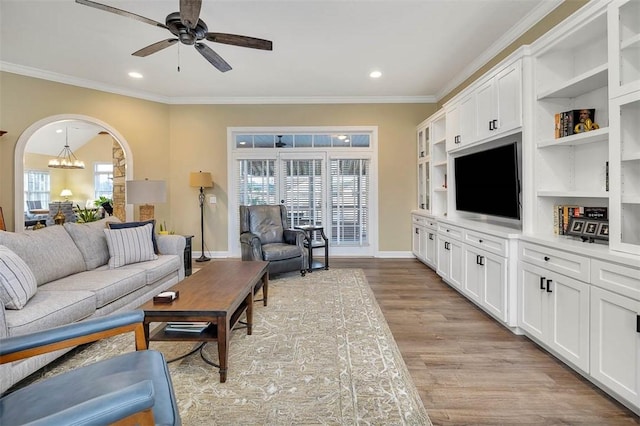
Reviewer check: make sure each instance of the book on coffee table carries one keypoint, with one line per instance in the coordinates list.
(187, 327)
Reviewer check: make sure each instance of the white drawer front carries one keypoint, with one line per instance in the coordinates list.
(450, 231)
(620, 279)
(563, 262)
(486, 242)
(431, 224)
(419, 220)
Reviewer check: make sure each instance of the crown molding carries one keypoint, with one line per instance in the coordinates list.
(74, 81)
(525, 24)
(274, 100)
(89, 84)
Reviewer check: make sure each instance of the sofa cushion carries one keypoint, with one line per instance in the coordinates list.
(17, 282)
(50, 252)
(159, 268)
(123, 225)
(129, 245)
(91, 241)
(107, 284)
(48, 309)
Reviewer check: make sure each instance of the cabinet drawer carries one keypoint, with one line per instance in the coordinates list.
(424, 221)
(486, 242)
(620, 279)
(450, 231)
(563, 262)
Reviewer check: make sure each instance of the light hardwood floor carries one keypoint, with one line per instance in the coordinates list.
(467, 367)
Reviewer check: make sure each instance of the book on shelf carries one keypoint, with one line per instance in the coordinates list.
(562, 215)
(187, 327)
(568, 123)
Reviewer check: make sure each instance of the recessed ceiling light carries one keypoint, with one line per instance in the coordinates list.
(59, 131)
(375, 74)
(134, 74)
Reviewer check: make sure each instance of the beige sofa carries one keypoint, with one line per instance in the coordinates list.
(70, 264)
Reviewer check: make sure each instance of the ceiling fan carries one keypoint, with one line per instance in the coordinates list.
(189, 29)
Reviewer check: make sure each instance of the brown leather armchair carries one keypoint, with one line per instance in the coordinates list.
(264, 235)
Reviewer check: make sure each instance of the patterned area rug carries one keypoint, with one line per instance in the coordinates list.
(321, 353)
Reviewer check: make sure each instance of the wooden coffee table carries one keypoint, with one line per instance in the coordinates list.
(219, 293)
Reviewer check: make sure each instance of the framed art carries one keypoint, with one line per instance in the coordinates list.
(588, 229)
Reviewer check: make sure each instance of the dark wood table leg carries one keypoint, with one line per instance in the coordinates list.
(145, 326)
(249, 302)
(265, 288)
(223, 346)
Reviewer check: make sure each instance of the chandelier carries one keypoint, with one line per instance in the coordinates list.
(66, 159)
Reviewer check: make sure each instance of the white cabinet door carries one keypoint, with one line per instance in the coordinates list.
(456, 271)
(467, 120)
(444, 257)
(532, 300)
(415, 241)
(499, 102)
(494, 290)
(453, 127)
(430, 255)
(473, 274)
(508, 89)
(615, 343)
(450, 261)
(554, 309)
(568, 315)
(485, 99)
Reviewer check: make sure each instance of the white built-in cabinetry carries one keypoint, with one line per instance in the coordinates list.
(579, 300)
(432, 165)
(489, 108)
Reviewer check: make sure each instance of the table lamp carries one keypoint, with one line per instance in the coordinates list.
(66, 193)
(145, 193)
(201, 180)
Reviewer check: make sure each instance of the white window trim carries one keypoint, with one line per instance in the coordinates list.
(371, 152)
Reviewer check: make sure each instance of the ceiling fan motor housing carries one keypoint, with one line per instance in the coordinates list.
(185, 34)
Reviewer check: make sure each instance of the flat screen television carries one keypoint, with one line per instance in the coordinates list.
(487, 182)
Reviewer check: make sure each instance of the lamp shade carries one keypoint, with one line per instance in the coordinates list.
(201, 180)
(146, 191)
(66, 193)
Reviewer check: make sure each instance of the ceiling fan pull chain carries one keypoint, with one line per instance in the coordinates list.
(179, 58)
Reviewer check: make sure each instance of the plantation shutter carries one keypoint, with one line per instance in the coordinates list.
(349, 201)
(302, 191)
(256, 182)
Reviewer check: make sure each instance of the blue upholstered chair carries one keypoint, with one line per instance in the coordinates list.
(133, 388)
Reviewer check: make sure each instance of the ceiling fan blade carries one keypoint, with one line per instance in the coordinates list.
(211, 56)
(190, 12)
(239, 40)
(155, 47)
(121, 12)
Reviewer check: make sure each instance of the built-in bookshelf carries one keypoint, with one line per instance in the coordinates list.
(432, 165)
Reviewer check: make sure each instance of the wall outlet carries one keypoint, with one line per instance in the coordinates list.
(212, 199)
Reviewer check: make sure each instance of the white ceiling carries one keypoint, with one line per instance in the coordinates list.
(323, 51)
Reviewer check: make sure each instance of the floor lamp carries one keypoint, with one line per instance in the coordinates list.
(201, 180)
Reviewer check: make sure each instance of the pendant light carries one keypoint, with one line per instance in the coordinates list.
(66, 159)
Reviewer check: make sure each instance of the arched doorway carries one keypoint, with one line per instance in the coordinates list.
(21, 149)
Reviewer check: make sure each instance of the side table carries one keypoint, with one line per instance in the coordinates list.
(310, 231)
(187, 256)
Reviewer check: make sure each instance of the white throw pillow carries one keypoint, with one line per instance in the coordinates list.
(129, 245)
(17, 282)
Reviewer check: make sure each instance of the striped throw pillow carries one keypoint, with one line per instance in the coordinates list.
(17, 282)
(129, 245)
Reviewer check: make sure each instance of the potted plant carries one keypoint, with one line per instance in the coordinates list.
(106, 203)
(86, 215)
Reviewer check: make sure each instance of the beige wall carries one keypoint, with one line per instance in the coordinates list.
(169, 142)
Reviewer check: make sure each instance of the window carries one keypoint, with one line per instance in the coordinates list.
(37, 187)
(103, 180)
(323, 175)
